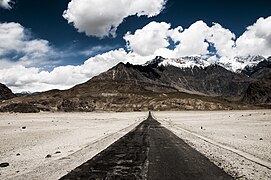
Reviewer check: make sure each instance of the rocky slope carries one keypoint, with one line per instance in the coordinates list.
(5, 92)
(259, 90)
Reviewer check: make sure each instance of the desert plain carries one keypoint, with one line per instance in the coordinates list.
(49, 145)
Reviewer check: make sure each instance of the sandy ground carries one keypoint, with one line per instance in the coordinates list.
(237, 141)
(70, 139)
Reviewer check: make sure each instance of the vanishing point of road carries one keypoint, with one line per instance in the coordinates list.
(151, 152)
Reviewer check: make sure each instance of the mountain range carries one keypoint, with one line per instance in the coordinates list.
(187, 83)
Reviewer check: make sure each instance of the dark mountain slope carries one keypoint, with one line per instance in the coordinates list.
(210, 81)
(259, 89)
(252, 70)
(5, 92)
(125, 78)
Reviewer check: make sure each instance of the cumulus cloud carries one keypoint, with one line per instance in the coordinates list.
(150, 38)
(192, 40)
(223, 40)
(102, 18)
(256, 39)
(155, 38)
(21, 47)
(5, 4)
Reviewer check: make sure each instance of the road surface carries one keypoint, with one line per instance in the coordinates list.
(149, 152)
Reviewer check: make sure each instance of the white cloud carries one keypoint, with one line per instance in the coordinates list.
(5, 4)
(223, 40)
(21, 47)
(153, 39)
(192, 40)
(101, 18)
(256, 40)
(150, 38)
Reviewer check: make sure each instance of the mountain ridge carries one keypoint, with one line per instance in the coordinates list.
(154, 86)
(235, 64)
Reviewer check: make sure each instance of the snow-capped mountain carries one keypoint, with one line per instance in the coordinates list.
(236, 64)
(162, 84)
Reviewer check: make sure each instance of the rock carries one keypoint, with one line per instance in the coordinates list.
(5, 164)
(24, 127)
(261, 139)
(48, 156)
(18, 154)
(201, 127)
(57, 152)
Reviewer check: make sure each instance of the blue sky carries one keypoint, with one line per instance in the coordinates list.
(56, 33)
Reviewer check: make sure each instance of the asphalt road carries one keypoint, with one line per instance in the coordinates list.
(150, 152)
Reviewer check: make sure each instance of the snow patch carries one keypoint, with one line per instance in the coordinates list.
(236, 64)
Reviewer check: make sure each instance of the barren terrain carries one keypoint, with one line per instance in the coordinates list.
(48, 145)
(69, 138)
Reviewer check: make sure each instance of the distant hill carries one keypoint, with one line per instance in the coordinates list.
(160, 84)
